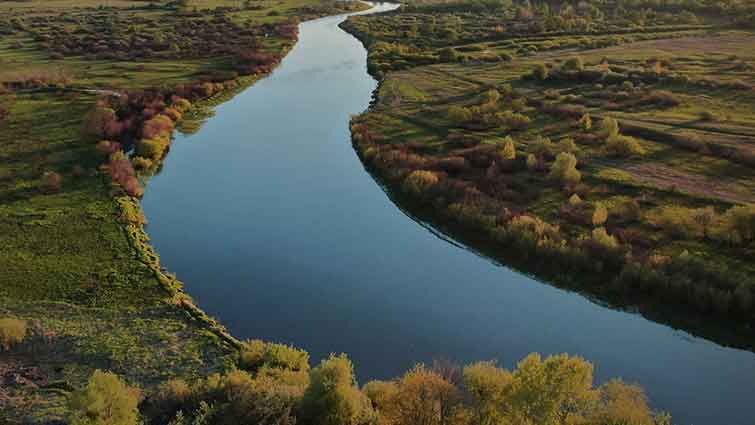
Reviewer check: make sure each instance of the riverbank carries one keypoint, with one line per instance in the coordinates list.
(465, 137)
(77, 264)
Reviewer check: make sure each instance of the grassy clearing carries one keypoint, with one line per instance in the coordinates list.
(671, 176)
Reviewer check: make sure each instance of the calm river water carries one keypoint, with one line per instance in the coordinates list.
(272, 222)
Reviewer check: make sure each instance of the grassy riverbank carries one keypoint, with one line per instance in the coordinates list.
(76, 264)
(615, 144)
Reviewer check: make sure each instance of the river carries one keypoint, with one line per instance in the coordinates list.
(276, 228)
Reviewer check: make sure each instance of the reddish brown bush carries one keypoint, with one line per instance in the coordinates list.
(51, 181)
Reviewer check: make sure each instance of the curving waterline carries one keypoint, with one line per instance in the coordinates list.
(272, 222)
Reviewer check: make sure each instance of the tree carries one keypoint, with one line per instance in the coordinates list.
(509, 148)
(621, 403)
(106, 400)
(332, 397)
(600, 215)
(487, 385)
(12, 332)
(425, 398)
(564, 169)
(98, 121)
(551, 391)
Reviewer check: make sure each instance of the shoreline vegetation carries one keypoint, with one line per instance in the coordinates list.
(616, 145)
(94, 331)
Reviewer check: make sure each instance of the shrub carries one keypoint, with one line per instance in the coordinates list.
(459, 114)
(332, 397)
(542, 146)
(564, 169)
(509, 149)
(51, 181)
(574, 64)
(566, 145)
(585, 123)
(12, 332)
(575, 200)
(600, 215)
(661, 98)
(255, 354)
(738, 224)
(609, 127)
(601, 238)
(532, 162)
(540, 72)
(106, 400)
(623, 146)
(419, 181)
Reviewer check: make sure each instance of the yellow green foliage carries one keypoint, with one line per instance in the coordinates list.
(509, 148)
(12, 332)
(600, 215)
(105, 400)
(603, 239)
(564, 169)
(255, 354)
(419, 180)
(333, 398)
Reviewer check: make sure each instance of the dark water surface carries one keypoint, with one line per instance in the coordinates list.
(272, 222)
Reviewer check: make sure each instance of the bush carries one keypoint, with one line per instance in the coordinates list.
(459, 114)
(51, 181)
(106, 400)
(623, 146)
(738, 224)
(601, 238)
(332, 397)
(609, 127)
(540, 72)
(419, 181)
(508, 151)
(12, 332)
(574, 64)
(564, 169)
(575, 200)
(600, 215)
(255, 354)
